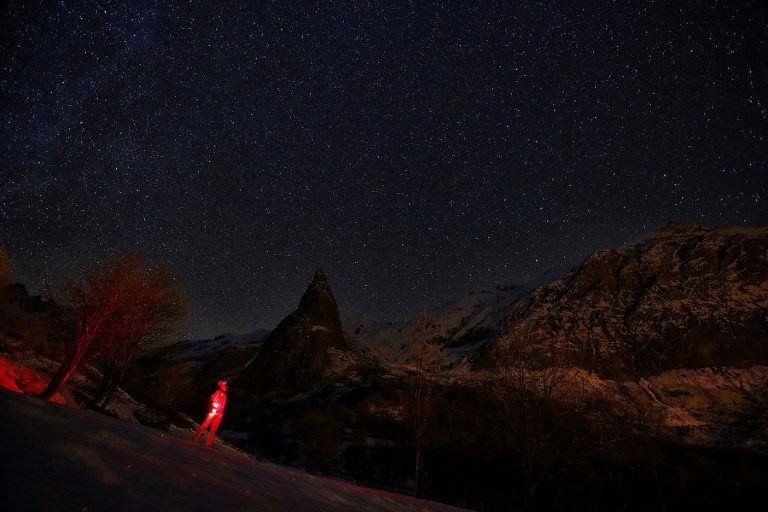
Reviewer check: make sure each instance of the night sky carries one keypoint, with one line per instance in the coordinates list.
(412, 151)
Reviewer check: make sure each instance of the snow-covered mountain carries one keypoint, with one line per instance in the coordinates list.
(461, 326)
(206, 350)
(685, 297)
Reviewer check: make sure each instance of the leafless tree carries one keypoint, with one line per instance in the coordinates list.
(120, 306)
(421, 385)
(542, 404)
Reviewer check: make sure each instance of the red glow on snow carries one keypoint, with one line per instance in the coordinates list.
(20, 379)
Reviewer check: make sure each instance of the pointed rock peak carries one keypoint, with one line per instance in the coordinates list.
(320, 280)
(319, 304)
(297, 354)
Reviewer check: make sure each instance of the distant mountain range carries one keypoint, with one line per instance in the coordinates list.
(685, 297)
(462, 327)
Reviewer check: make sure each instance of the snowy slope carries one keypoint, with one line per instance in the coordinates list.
(187, 358)
(17, 377)
(723, 407)
(461, 325)
(207, 350)
(59, 458)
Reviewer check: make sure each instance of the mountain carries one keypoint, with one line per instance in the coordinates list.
(181, 374)
(684, 297)
(461, 327)
(305, 347)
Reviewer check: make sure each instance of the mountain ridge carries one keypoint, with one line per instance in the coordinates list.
(679, 298)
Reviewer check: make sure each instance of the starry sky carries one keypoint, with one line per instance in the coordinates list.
(412, 150)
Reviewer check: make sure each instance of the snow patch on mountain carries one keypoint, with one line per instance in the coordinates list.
(460, 326)
(204, 351)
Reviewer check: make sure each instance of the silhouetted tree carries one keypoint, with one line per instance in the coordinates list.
(545, 409)
(421, 385)
(119, 306)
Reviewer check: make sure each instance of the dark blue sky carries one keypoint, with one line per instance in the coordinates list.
(411, 151)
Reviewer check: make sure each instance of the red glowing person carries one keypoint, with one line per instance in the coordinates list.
(215, 413)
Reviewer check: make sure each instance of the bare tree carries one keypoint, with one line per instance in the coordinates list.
(421, 386)
(543, 406)
(120, 306)
(153, 318)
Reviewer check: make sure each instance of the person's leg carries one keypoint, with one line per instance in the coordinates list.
(214, 428)
(203, 426)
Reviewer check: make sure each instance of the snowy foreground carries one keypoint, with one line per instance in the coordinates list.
(58, 458)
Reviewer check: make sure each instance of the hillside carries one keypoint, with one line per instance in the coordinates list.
(173, 375)
(59, 458)
(685, 297)
(461, 326)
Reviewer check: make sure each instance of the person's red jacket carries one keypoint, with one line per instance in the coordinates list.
(218, 402)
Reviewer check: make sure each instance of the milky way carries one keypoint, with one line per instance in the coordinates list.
(412, 151)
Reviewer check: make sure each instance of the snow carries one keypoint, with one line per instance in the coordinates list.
(474, 313)
(60, 458)
(208, 349)
(18, 378)
(695, 406)
(191, 356)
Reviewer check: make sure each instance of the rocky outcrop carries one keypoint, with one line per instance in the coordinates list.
(686, 297)
(31, 318)
(302, 349)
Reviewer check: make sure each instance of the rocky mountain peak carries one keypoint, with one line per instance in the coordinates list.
(300, 352)
(320, 280)
(319, 305)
